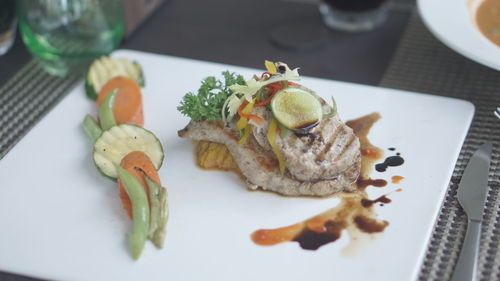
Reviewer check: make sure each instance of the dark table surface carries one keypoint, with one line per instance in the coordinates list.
(246, 33)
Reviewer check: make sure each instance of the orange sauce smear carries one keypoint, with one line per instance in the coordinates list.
(397, 179)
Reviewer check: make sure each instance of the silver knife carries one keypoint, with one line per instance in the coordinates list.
(472, 197)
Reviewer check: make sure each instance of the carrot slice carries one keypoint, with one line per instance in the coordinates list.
(258, 120)
(128, 102)
(138, 165)
(266, 101)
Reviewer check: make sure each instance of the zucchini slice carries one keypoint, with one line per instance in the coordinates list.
(120, 140)
(105, 68)
(296, 109)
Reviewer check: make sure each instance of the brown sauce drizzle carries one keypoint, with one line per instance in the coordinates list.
(370, 225)
(362, 183)
(370, 153)
(382, 199)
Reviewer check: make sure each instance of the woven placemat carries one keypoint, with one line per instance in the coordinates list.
(26, 98)
(424, 64)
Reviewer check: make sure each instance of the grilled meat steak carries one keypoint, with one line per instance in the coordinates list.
(321, 163)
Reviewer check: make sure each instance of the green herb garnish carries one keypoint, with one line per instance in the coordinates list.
(209, 100)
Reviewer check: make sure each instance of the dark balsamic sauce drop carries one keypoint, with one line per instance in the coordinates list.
(311, 240)
(391, 161)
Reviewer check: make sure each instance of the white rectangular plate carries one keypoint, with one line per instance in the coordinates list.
(60, 219)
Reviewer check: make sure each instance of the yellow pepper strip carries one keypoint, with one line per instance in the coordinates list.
(271, 137)
(271, 67)
(246, 134)
(242, 122)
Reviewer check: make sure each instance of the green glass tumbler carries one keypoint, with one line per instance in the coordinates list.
(65, 35)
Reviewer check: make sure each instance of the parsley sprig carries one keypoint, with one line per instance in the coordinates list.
(208, 102)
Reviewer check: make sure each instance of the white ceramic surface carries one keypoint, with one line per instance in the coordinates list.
(60, 219)
(452, 22)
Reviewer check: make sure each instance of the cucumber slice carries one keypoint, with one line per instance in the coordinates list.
(105, 68)
(120, 140)
(296, 109)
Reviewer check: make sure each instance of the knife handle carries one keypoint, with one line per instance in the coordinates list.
(466, 267)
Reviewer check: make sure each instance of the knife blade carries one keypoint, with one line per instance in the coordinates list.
(472, 197)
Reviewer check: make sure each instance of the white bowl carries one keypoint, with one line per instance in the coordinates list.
(453, 22)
